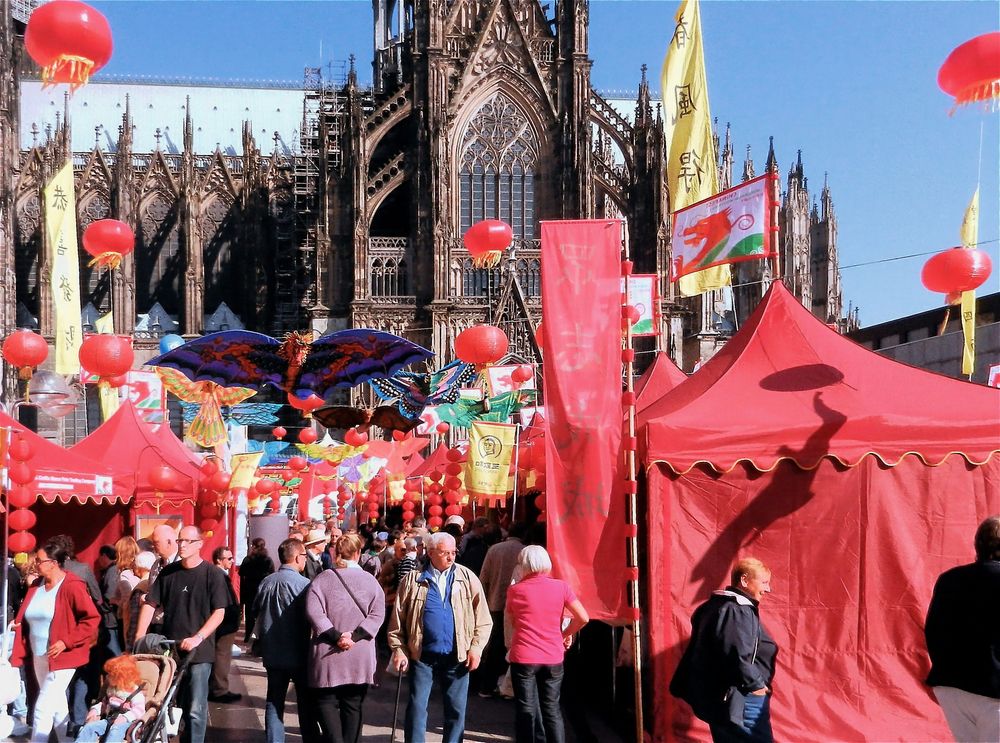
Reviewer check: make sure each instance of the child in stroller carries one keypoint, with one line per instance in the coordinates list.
(122, 704)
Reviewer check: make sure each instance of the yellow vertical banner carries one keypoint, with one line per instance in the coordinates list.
(109, 395)
(243, 468)
(692, 174)
(970, 236)
(64, 260)
(491, 450)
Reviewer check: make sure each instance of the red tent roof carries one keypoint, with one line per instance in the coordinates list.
(788, 387)
(126, 440)
(661, 377)
(64, 474)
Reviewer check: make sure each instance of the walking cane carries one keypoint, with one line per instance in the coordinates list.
(395, 709)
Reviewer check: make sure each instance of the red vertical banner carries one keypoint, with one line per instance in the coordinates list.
(582, 352)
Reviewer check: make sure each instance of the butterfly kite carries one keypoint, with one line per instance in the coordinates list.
(208, 398)
(297, 364)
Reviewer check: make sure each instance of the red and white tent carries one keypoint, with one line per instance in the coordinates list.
(855, 478)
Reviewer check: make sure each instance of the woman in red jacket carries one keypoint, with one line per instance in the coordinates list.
(55, 628)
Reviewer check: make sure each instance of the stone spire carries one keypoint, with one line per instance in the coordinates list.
(748, 169)
(643, 107)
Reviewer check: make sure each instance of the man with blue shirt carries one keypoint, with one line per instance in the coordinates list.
(283, 633)
(440, 626)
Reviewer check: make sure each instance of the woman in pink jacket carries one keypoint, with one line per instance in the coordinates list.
(54, 630)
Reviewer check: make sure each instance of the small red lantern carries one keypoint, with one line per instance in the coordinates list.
(522, 374)
(20, 473)
(20, 450)
(163, 477)
(21, 541)
(208, 526)
(972, 71)
(265, 486)
(279, 432)
(106, 356)
(442, 428)
(69, 40)
(108, 241)
(355, 438)
(219, 482)
(956, 270)
(539, 336)
(21, 519)
(398, 435)
(297, 464)
(631, 313)
(453, 455)
(20, 497)
(307, 405)
(209, 467)
(434, 522)
(481, 344)
(486, 241)
(308, 436)
(25, 350)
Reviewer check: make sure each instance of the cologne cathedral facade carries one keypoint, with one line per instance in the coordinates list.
(478, 109)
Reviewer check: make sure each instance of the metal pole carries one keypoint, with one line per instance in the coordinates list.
(517, 446)
(6, 532)
(632, 498)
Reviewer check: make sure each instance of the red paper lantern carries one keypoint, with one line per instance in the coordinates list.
(522, 374)
(297, 464)
(120, 381)
(208, 526)
(21, 541)
(435, 476)
(538, 335)
(108, 241)
(69, 40)
(434, 522)
(307, 405)
(442, 427)
(972, 71)
(20, 450)
(20, 473)
(481, 344)
(398, 435)
(21, 519)
(434, 499)
(453, 510)
(453, 468)
(219, 482)
(20, 497)
(435, 510)
(631, 313)
(486, 241)
(265, 486)
(279, 432)
(308, 436)
(453, 483)
(25, 350)
(163, 477)
(208, 510)
(209, 467)
(355, 438)
(106, 355)
(956, 270)
(453, 455)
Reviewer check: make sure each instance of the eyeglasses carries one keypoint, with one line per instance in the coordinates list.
(230, 558)
(188, 541)
(446, 553)
(39, 562)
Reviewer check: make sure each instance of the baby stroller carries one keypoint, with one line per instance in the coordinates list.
(162, 675)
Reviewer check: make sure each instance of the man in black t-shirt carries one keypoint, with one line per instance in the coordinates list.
(193, 596)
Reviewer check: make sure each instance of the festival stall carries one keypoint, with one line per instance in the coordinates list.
(855, 478)
(75, 494)
(660, 377)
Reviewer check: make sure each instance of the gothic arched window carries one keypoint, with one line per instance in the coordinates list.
(27, 247)
(95, 282)
(389, 278)
(497, 168)
(219, 235)
(159, 259)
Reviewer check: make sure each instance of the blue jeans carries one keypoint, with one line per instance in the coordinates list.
(453, 679)
(92, 731)
(536, 693)
(756, 727)
(194, 702)
(274, 706)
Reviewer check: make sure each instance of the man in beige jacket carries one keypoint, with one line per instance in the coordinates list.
(439, 628)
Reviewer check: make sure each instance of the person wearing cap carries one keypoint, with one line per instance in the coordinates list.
(315, 542)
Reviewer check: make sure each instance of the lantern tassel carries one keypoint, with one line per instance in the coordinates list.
(489, 259)
(985, 91)
(78, 71)
(110, 260)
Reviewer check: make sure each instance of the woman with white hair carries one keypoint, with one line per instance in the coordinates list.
(536, 606)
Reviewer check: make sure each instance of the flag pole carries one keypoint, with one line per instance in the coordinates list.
(631, 490)
(517, 447)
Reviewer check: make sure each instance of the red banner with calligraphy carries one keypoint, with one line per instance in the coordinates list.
(581, 314)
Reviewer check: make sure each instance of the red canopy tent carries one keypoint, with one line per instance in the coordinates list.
(855, 478)
(72, 489)
(659, 378)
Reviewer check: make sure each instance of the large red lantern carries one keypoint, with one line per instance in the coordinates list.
(108, 241)
(219, 482)
(163, 477)
(21, 519)
(956, 270)
(25, 350)
(20, 497)
(481, 344)
(106, 356)
(307, 405)
(486, 241)
(20, 473)
(21, 541)
(69, 40)
(972, 71)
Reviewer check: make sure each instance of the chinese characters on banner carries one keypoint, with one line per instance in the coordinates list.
(491, 450)
(581, 311)
(60, 229)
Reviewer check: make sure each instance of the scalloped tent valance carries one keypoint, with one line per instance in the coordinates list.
(788, 387)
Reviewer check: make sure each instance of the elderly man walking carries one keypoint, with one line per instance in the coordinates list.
(963, 639)
(440, 626)
(283, 632)
(193, 596)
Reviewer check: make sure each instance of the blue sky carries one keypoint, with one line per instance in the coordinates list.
(851, 84)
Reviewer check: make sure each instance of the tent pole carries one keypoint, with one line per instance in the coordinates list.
(8, 434)
(631, 491)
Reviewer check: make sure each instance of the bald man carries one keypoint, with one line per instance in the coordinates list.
(193, 596)
(164, 539)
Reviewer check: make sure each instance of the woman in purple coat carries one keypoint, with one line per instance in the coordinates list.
(346, 607)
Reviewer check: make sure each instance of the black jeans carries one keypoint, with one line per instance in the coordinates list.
(339, 712)
(274, 706)
(536, 691)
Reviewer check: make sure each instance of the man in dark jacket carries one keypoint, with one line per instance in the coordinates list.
(963, 640)
(727, 669)
(225, 635)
